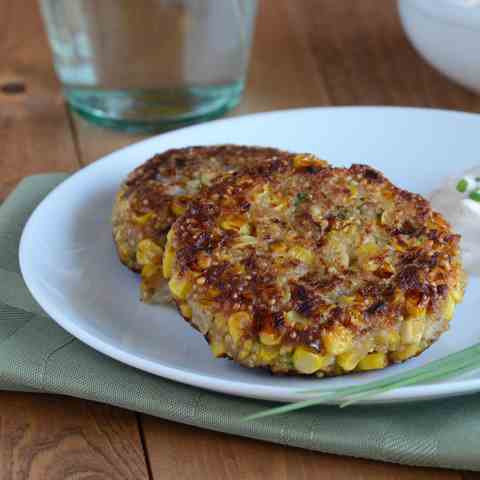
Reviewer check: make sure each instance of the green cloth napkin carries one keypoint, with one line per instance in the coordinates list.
(37, 355)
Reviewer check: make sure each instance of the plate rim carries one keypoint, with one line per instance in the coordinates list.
(271, 393)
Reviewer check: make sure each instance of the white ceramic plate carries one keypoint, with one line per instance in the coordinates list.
(70, 265)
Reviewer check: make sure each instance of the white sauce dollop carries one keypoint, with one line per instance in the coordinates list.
(466, 3)
(463, 214)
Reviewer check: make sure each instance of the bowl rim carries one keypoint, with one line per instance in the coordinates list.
(447, 10)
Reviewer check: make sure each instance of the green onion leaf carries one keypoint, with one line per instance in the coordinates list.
(455, 364)
(462, 186)
(475, 195)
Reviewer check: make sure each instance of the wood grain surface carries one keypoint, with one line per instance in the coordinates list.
(308, 53)
(56, 438)
(35, 134)
(46, 437)
(218, 456)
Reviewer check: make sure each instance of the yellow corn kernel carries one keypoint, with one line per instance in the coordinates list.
(293, 318)
(449, 308)
(338, 340)
(302, 254)
(245, 229)
(268, 353)
(180, 287)
(260, 196)
(168, 261)
(398, 246)
(307, 361)
(149, 270)
(124, 253)
(218, 348)
(148, 252)
(244, 240)
(213, 292)
(366, 345)
(393, 340)
(390, 340)
(279, 247)
(368, 250)
(306, 160)
(270, 338)
(179, 205)
(373, 361)
(246, 349)
(237, 224)
(143, 219)
(416, 312)
(346, 299)
(366, 254)
(405, 352)
(278, 202)
(236, 322)
(412, 330)
(186, 310)
(219, 322)
(457, 294)
(284, 349)
(413, 308)
(349, 360)
(383, 218)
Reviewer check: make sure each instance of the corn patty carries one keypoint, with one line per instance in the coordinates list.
(304, 268)
(158, 191)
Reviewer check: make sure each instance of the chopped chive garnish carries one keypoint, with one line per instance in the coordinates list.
(301, 197)
(462, 185)
(343, 214)
(475, 195)
(467, 360)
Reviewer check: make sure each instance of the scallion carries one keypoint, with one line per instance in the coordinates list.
(455, 364)
(475, 195)
(462, 185)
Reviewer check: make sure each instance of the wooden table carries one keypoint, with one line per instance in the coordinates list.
(308, 52)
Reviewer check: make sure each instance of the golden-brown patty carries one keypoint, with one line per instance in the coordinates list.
(304, 268)
(158, 191)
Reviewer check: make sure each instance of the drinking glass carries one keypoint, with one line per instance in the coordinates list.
(150, 64)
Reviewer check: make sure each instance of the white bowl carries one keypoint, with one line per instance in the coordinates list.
(447, 34)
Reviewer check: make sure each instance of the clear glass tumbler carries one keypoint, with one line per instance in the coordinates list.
(150, 64)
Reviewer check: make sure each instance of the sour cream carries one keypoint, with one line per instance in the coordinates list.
(454, 201)
(466, 3)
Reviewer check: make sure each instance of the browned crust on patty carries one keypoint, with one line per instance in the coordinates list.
(376, 253)
(143, 205)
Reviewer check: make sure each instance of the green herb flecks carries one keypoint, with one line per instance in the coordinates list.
(300, 198)
(475, 195)
(343, 214)
(462, 186)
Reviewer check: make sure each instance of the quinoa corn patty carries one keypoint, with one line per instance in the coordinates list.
(158, 191)
(304, 268)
